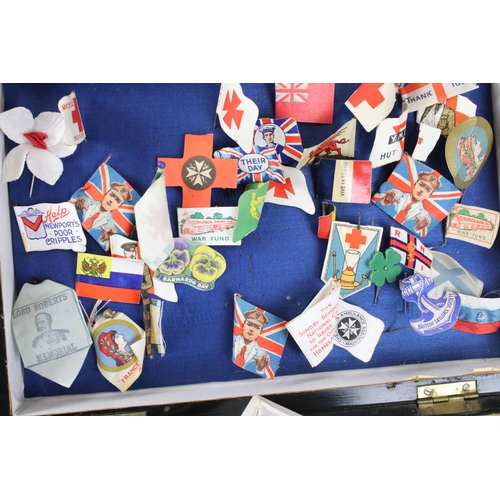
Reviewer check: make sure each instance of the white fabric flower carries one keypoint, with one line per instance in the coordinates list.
(40, 144)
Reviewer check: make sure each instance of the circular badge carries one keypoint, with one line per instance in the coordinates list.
(198, 173)
(112, 341)
(253, 163)
(467, 149)
(269, 135)
(351, 328)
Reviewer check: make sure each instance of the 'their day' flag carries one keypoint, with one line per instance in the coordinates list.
(237, 114)
(371, 103)
(293, 193)
(306, 102)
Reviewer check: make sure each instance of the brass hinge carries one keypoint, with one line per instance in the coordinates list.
(445, 399)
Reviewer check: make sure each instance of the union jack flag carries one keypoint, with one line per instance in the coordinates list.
(291, 92)
(271, 340)
(96, 188)
(285, 138)
(402, 181)
(273, 171)
(415, 255)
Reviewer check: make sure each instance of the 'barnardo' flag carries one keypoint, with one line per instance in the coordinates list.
(414, 254)
(306, 102)
(237, 114)
(293, 193)
(420, 95)
(339, 144)
(357, 331)
(352, 182)
(250, 207)
(109, 278)
(389, 143)
(371, 103)
(259, 339)
(74, 133)
(427, 140)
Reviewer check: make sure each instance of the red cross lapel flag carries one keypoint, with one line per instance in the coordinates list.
(427, 140)
(237, 115)
(420, 95)
(74, 133)
(416, 196)
(259, 339)
(306, 102)
(389, 141)
(293, 193)
(463, 107)
(371, 103)
(414, 254)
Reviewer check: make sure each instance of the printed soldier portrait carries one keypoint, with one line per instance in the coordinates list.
(48, 337)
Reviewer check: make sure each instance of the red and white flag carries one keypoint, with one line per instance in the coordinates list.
(427, 140)
(74, 133)
(420, 95)
(306, 102)
(371, 103)
(237, 115)
(389, 143)
(352, 182)
(293, 192)
(463, 107)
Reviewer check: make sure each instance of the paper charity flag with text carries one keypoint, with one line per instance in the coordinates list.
(414, 254)
(371, 103)
(119, 346)
(259, 339)
(250, 205)
(339, 144)
(109, 278)
(105, 205)
(50, 226)
(449, 275)
(352, 182)
(314, 330)
(306, 102)
(420, 95)
(475, 225)
(357, 331)
(262, 407)
(416, 196)
(389, 143)
(75, 133)
(192, 264)
(237, 114)
(448, 114)
(347, 260)
(153, 225)
(427, 139)
(281, 134)
(260, 165)
(293, 193)
(50, 331)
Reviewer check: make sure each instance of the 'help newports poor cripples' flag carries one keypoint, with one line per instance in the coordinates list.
(109, 278)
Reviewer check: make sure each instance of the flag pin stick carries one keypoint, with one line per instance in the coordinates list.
(32, 184)
(108, 158)
(404, 301)
(359, 219)
(377, 288)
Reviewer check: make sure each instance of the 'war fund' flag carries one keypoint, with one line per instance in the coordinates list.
(237, 114)
(420, 95)
(371, 103)
(306, 102)
(109, 278)
(414, 254)
(259, 339)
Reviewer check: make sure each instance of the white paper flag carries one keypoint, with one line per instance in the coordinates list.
(389, 141)
(74, 133)
(50, 331)
(314, 329)
(427, 139)
(357, 331)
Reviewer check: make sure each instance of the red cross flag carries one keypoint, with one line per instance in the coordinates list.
(371, 103)
(427, 140)
(68, 106)
(306, 102)
(237, 115)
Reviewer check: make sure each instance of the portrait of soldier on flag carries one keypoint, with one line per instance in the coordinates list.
(416, 196)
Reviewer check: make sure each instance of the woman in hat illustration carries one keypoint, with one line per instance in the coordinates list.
(114, 345)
